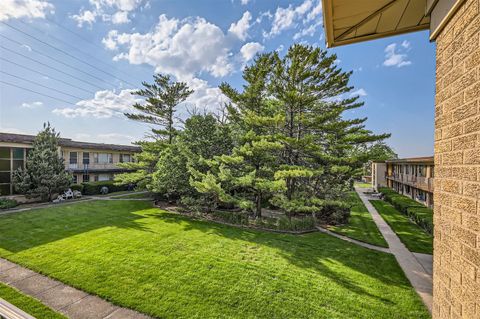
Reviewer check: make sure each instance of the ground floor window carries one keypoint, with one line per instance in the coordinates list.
(75, 179)
(86, 178)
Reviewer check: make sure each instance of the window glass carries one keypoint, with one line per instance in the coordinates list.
(4, 189)
(73, 157)
(17, 164)
(4, 165)
(4, 177)
(86, 178)
(104, 158)
(86, 158)
(75, 179)
(4, 152)
(18, 153)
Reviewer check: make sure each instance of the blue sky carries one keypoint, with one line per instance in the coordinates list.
(88, 55)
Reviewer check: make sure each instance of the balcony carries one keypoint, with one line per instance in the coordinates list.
(93, 166)
(420, 182)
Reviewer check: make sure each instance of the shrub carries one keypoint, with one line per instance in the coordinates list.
(77, 187)
(335, 212)
(296, 224)
(418, 213)
(237, 218)
(6, 203)
(93, 188)
(422, 216)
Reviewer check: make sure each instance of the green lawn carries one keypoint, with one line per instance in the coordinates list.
(414, 237)
(363, 185)
(27, 304)
(169, 266)
(360, 225)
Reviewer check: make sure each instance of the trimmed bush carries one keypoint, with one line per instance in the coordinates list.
(77, 187)
(93, 188)
(296, 224)
(417, 212)
(334, 212)
(422, 216)
(237, 218)
(6, 203)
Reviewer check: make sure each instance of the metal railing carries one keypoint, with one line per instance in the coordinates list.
(425, 183)
(9, 311)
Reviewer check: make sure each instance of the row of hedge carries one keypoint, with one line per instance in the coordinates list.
(420, 214)
(93, 188)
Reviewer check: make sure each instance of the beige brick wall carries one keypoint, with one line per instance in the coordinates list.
(457, 167)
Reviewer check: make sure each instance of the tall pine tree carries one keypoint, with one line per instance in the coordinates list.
(44, 174)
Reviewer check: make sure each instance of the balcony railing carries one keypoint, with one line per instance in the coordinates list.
(81, 166)
(421, 182)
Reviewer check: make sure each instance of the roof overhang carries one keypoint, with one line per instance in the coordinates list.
(350, 21)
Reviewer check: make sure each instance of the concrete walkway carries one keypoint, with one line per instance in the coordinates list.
(71, 302)
(419, 276)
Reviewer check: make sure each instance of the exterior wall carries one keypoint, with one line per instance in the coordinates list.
(379, 171)
(457, 167)
(95, 171)
(402, 178)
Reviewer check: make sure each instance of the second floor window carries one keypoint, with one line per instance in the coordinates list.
(125, 158)
(86, 158)
(103, 158)
(73, 157)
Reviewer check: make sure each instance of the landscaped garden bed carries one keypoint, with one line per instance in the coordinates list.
(170, 266)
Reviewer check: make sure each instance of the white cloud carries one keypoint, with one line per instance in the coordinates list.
(84, 17)
(359, 92)
(405, 44)
(394, 57)
(205, 96)
(115, 11)
(244, 2)
(287, 18)
(308, 31)
(108, 138)
(181, 48)
(32, 105)
(120, 17)
(240, 28)
(249, 50)
(14, 9)
(105, 104)
(13, 130)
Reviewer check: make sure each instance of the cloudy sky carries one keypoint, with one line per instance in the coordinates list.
(74, 63)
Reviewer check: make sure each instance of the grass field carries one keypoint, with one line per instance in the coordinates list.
(169, 266)
(414, 237)
(360, 225)
(29, 305)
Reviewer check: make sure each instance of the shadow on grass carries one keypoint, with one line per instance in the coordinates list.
(25, 230)
(315, 251)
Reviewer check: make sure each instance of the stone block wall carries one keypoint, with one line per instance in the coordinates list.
(457, 167)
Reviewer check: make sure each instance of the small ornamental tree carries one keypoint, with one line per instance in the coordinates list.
(44, 174)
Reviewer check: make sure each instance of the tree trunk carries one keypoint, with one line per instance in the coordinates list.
(258, 204)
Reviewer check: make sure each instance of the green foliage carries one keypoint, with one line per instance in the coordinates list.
(296, 224)
(45, 173)
(237, 218)
(162, 97)
(422, 216)
(6, 203)
(94, 188)
(378, 151)
(77, 187)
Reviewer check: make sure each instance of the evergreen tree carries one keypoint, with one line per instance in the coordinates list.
(44, 174)
(162, 97)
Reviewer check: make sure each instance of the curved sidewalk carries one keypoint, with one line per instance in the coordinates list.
(419, 277)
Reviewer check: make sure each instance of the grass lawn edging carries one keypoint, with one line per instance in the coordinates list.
(421, 215)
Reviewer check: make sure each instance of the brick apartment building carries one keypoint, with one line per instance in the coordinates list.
(412, 177)
(455, 27)
(86, 161)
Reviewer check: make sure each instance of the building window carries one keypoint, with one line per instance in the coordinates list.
(125, 158)
(75, 179)
(86, 178)
(86, 158)
(103, 158)
(95, 178)
(73, 157)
